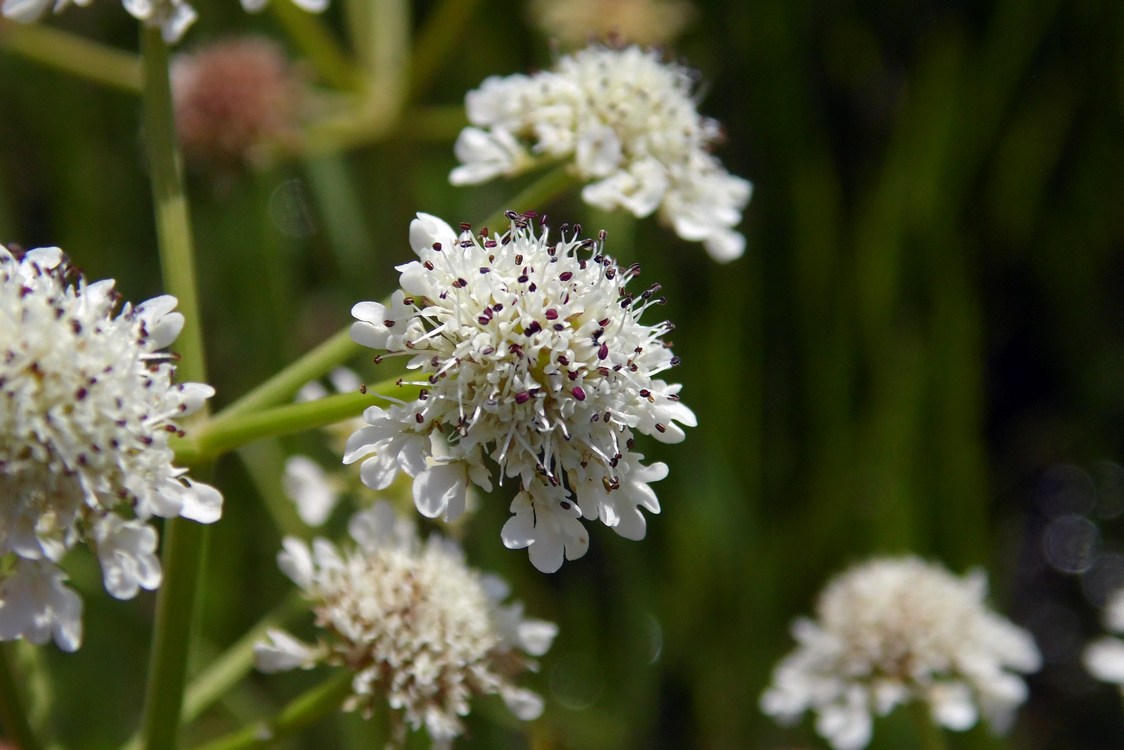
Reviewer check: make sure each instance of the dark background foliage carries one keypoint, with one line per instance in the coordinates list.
(921, 351)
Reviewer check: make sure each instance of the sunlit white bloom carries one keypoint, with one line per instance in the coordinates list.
(87, 405)
(1104, 657)
(897, 630)
(312, 6)
(313, 490)
(530, 353)
(422, 632)
(628, 122)
(172, 17)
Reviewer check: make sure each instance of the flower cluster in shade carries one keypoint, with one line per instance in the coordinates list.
(172, 17)
(421, 631)
(646, 22)
(630, 124)
(894, 631)
(1104, 657)
(528, 353)
(236, 101)
(87, 405)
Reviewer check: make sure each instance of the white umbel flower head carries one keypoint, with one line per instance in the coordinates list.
(529, 353)
(172, 17)
(421, 631)
(630, 124)
(1104, 657)
(897, 630)
(87, 405)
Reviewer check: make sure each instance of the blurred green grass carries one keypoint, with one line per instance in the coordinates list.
(929, 314)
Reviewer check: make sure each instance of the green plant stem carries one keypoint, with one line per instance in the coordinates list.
(285, 384)
(225, 433)
(13, 712)
(386, 54)
(929, 734)
(183, 540)
(74, 55)
(535, 196)
(319, 46)
(436, 40)
(224, 672)
(303, 711)
(354, 127)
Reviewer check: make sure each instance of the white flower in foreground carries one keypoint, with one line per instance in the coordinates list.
(529, 353)
(629, 122)
(172, 17)
(1104, 657)
(421, 631)
(87, 405)
(896, 630)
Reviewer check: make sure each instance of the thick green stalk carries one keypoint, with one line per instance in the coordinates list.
(285, 384)
(13, 712)
(183, 540)
(225, 432)
(303, 711)
(73, 55)
(535, 196)
(319, 46)
(929, 734)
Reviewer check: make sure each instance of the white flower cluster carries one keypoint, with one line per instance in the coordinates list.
(87, 405)
(530, 353)
(172, 17)
(632, 127)
(421, 630)
(1104, 657)
(897, 630)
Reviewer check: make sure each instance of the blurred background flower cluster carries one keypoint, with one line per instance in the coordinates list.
(920, 351)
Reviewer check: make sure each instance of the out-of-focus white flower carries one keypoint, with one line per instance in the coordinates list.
(531, 353)
(897, 630)
(314, 491)
(312, 6)
(1104, 657)
(87, 404)
(630, 124)
(421, 631)
(172, 17)
(645, 22)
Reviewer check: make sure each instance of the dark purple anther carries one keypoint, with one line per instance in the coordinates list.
(579, 393)
(522, 398)
(552, 314)
(603, 352)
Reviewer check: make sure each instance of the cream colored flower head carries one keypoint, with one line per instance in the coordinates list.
(896, 630)
(1104, 657)
(172, 17)
(422, 632)
(628, 124)
(529, 354)
(87, 404)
